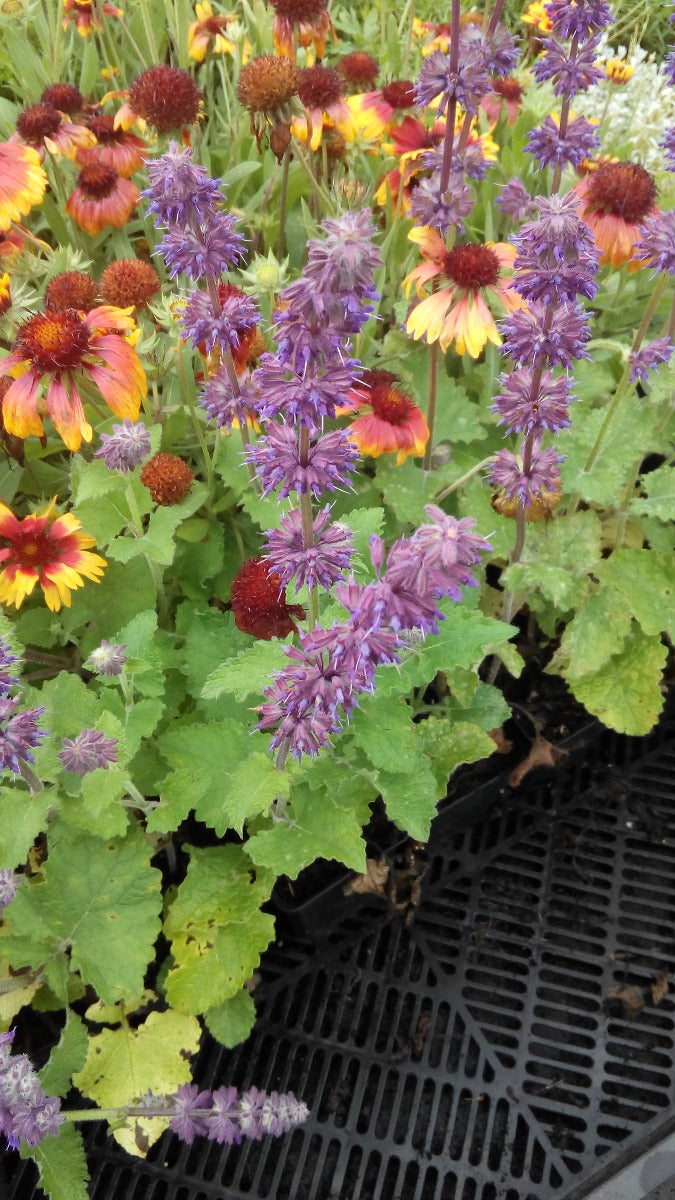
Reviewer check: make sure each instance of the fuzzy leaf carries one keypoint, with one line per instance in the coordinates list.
(95, 894)
(231, 1022)
(384, 731)
(125, 1063)
(363, 523)
(324, 829)
(486, 707)
(411, 799)
(248, 673)
(449, 744)
(216, 929)
(210, 636)
(463, 641)
(22, 818)
(595, 633)
(557, 558)
(659, 494)
(66, 1058)
(647, 581)
(62, 1164)
(630, 434)
(625, 693)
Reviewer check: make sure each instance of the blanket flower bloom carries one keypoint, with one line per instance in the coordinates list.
(22, 182)
(48, 550)
(64, 347)
(459, 311)
(309, 18)
(85, 18)
(616, 200)
(102, 197)
(208, 31)
(113, 147)
(47, 130)
(394, 426)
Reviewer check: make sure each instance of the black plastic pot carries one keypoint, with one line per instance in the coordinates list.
(506, 1038)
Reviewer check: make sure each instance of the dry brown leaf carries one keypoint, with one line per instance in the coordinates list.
(659, 986)
(503, 745)
(632, 1000)
(374, 881)
(541, 754)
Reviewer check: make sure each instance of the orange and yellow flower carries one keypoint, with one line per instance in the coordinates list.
(395, 425)
(114, 147)
(308, 20)
(48, 550)
(101, 198)
(459, 311)
(537, 18)
(615, 200)
(22, 181)
(211, 30)
(373, 112)
(86, 20)
(5, 294)
(67, 347)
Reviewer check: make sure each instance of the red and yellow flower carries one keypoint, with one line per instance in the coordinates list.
(45, 549)
(5, 294)
(210, 31)
(395, 425)
(537, 17)
(22, 181)
(308, 19)
(48, 131)
(373, 112)
(86, 20)
(321, 92)
(101, 198)
(458, 312)
(66, 348)
(616, 199)
(112, 146)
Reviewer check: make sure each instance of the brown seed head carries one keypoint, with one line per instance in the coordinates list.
(625, 190)
(319, 87)
(37, 122)
(71, 289)
(167, 97)
(63, 96)
(295, 11)
(267, 83)
(129, 281)
(359, 69)
(167, 478)
(400, 93)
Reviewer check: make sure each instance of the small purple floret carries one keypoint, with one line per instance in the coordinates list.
(90, 750)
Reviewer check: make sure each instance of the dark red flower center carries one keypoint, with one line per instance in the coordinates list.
(472, 266)
(103, 129)
(400, 93)
(166, 96)
(319, 87)
(54, 341)
(37, 122)
(390, 405)
(33, 549)
(64, 96)
(507, 87)
(97, 181)
(71, 289)
(625, 190)
(259, 602)
(359, 68)
(214, 25)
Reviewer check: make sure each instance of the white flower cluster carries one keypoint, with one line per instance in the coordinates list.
(633, 116)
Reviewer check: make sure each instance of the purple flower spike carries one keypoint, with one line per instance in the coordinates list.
(667, 144)
(657, 245)
(224, 405)
(546, 145)
(276, 457)
(570, 73)
(108, 659)
(90, 750)
(7, 661)
(126, 447)
(26, 1114)
(580, 17)
(467, 83)
(323, 563)
(208, 251)
(303, 397)
(442, 211)
(189, 1123)
(522, 412)
(515, 201)
(226, 328)
(543, 474)
(557, 257)
(649, 357)
(181, 191)
(19, 733)
(528, 342)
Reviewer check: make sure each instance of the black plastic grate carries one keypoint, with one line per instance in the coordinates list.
(472, 1053)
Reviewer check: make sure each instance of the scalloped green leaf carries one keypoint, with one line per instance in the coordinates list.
(62, 1165)
(247, 673)
(449, 743)
(595, 633)
(625, 693)
(67, 1057)
(232, 1021)
(316, 827)
(411, 799)
(646, 579)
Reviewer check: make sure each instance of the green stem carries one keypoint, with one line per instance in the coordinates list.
(485, 462)
(149, 31)
(137, 530)
(320, 193)
(283, 197)
(196, 423)
(431, 406)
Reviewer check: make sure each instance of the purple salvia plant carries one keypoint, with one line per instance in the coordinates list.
(225, 1115)
(108, 659)
(90, 750)
(126, 447)
(9, 882)
(26, 1114)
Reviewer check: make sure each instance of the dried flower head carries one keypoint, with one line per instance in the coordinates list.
(108, 659)
(129, 283)
(259, 602)
(358, 69)
(266, 87)
(71, 289)
(168, 478)
(64, 96)
(166, 97)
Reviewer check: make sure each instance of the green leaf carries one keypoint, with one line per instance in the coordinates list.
(22, 818)
(62, 1164)
(231, 1022)
(486, 708)
(364, 523)
(558, 558)
(384, 730)
(630, 434)
(406, 489)
(95, 894)
(66, 1058)
(246, 674)
(463, 641)
(91, 480)
(595, 633)
(316, 828)
(411, 799)
(216, 930)
(625, 693)
(474, 501)
(449, 744)
(209, 637)
(646, 579)
(125, 1063)
(247, 790)
(659, 494)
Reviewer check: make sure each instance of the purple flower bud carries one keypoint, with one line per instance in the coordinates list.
(126, 447)
(443, 211)
(302, 396)
(649, 357)
(324, 562)
(570, 73)
(515, 201)
(656, 248)
(528, 340)
(580, 141)
(208, 251)
(524, 407)
(276, 457)
(181, 192)
(543, 474)
(226, 406)
(90, 750)
(466, 83)
(108, 659)
(26, 1114)
(667, 144)
(9, 882)
(202, 325)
